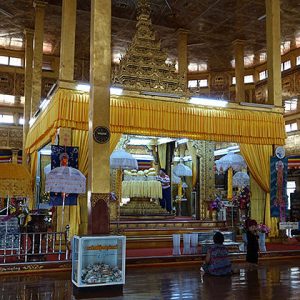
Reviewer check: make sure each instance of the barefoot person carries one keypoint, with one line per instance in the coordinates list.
(217, 262)
(165, 202)
(252, 243)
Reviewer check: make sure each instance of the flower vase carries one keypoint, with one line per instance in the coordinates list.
(262, 241)
(214, 215)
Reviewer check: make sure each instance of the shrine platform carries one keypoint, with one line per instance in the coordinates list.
(145, 233)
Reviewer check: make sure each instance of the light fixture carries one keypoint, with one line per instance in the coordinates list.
(164, 140)
(139, 142)
(233, 149)
(44, 104)
(182, 141)
(256, 105)
(31, 121)
(83, 87)
(45, 152)
(86, 88)
(208, 102)
(116, 91)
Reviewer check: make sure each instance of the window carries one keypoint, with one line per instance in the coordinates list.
(298, 60)
(15, 61)
(7, 119)
(285, 47)
(285, 65)
(290, 105)
(21, 121)
(248, 60)
(192, 83)
(193, 67)
(22, 99)
(47, 47)
(47, 66)
(11, 42)
(203, 83)
(11, 61)
(262, 57)
(248, 79)
(4, 60)
(291, 127)
(263, 75)
(7, 98)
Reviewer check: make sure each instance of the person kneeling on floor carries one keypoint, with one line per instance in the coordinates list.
(217, 262)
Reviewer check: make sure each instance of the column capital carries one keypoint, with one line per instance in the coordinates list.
(39, 4)
(182, 31)
(28, 32)
(238, 42)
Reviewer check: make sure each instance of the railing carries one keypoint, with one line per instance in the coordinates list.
(34, 247)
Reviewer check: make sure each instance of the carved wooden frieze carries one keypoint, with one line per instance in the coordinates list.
(7, 83)
(288, 85)
(11, 137)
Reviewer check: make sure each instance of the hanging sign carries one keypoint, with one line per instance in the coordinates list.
(278, 185)
(289, 225)
(101, 134)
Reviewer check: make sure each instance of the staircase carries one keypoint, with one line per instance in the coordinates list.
(147, 234)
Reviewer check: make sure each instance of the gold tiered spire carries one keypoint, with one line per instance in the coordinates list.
(144, 67)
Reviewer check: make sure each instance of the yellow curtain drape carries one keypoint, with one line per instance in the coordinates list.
(78, 216)
(162, 155)
(193, 152)
(133, 115)
(258, 200)
(114, 140)
(257, 158)
(33, 169)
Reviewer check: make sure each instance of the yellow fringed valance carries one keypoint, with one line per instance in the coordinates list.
(15, 180)
(132, 115)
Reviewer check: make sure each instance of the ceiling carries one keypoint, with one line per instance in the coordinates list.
(213, 25)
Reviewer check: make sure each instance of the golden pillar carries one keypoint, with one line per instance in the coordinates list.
(99, 118)
(239, 70)
(273, 52)
(37, 55)
(67, 44)
(182, 55)
(27, 88)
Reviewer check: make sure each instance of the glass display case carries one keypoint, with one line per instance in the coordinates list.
(98, 260)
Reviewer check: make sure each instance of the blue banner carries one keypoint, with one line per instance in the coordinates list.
(60, 156)
(278, 192)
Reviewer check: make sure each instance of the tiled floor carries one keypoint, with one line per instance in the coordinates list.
(271, 280)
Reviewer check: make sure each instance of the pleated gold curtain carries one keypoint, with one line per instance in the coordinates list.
(133, 115)
(257, 158)
(79, 212)
(162, 155)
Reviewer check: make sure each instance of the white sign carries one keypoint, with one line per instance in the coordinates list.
(288, 225)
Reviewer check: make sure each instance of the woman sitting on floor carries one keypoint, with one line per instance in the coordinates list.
(217, 262)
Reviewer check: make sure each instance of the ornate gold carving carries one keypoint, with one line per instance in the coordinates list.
(142, 207)
(96, 197)
(205, 150)
(33, 267)
(144, 67)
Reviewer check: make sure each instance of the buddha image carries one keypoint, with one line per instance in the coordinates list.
(64, 160)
